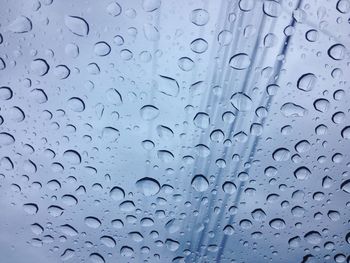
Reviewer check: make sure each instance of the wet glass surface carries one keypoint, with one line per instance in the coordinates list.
(174, 131)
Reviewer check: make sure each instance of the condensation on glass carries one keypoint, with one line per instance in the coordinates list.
(174, 131)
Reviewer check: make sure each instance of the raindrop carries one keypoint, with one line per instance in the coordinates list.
(31, 208)
(292, 110)
(6, 139)
(200, 183)
(345, 133)
(281, 154)
(345, 186)
(76, 104)
(108, 241)
(151, 5)
(199, 45)
(77, 25)
(148, 186)
(307, 82)
(39, 67)
(117, 193)
(149, 112)
(229, 188)
(185, 63)
(21, 24)
(337, 52)
(96, 258)
(313, 237)
(73, 157)
(277, 223)
(102, 49)
(240, 61)
(92, 222)
(114, 9)
(241, 101)
(61, 71)
(168, 86)
(201, 120)
(199, 17)
(5, 93)
(302, 173)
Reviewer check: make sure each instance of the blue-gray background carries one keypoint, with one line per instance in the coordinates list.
(220, 103)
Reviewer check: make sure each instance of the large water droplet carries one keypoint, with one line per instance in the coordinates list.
(241, 101)
(337, 52)
(39, 67)
(240, 61)
(199, 17)
(21, 24)
(200, 183)
(307, 82)
(117, 193)
(149, 112)
(77, 25)
(92, 222)
(148, 186)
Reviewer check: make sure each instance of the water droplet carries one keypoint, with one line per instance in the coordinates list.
(39, 96)
(345, 186)
(77, 25)
(200, 183)
(148, 186)
(281, 154)
(202, 120)
(313, 237)
(151, 32)
(168, 86)
(321, 105)
(149, 112)
(229, 188)
(337, 52)
(68, 230)
(240, 61)
(114, 96)
(165, 156)
(302, 173)
(117, 193)
(272, 8)
(114, 9)
(102, 49)
(277, 223)
(345, 133)
(96, 258)
(199, 45)
(343, 6)
(185, 63)
(225, 37)
(151, 5)
(31, 208)
(6, 139)
(73, 157)
(312, 35)
(21, 24)
(307, 82)
(241, 102)
(67, 254)
(199, 17)
(92, 222)
(126, 251)
(5, 93)
(108, 241)
(292, 110)
(39, 67)
(76, 104)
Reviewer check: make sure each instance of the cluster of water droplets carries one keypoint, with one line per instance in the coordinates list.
(159, 131)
